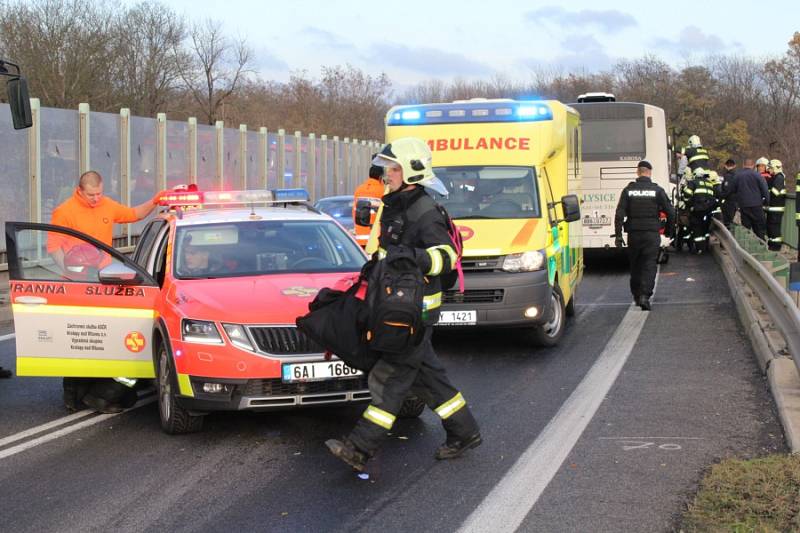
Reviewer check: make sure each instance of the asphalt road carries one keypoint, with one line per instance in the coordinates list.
(610, 431)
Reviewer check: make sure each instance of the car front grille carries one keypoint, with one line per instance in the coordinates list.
(276, 387)
(481, 264)
(283, 340)
(473, 296)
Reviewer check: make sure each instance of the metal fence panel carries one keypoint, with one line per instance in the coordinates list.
(231, 166)
(206, 157)
(177, 153)
(789, 224)
(59, 157)
(253, 164)
(13, 172)
(104, 158)
(143, 163)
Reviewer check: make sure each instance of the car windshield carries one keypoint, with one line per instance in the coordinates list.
(339, 208)
(263, 247)
(489, 192)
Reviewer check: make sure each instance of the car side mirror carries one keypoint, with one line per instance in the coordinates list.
(363, 212)
(572, 207)
(20, 103)
(119, 274)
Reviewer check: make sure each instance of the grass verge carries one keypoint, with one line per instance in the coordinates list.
(759, 495)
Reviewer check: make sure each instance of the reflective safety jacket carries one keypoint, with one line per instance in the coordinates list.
(371, 189)
(701, 195)
(777, 194)
(696, 157)
(411, 218)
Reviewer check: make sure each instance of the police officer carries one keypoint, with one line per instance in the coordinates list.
(728, 200)
(776, 182)
(411, 224)
(696, 155)
(700, 196)
(638, 212)
(752, 194)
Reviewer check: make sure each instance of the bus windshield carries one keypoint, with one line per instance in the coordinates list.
(612, 131)
(489, 192)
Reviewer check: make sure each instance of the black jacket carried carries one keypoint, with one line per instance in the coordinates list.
(639, 206)
(750, 188)
(411, 219)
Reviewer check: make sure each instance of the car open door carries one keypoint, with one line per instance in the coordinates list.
(81, 308)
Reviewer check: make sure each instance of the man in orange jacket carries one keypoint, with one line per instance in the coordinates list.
(89, 212)
(371, 189)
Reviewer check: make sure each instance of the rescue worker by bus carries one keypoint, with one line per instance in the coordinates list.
(752, 195)
(696, 155)
(701, 198)
(94, 214)
(638, 212)
(407, 162)
(371, 189)
(776, 182)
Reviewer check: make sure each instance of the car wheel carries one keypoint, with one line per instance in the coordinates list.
(175, 419)
(549, 333)
(412, 407)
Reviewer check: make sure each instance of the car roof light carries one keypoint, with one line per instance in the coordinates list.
(224, 198)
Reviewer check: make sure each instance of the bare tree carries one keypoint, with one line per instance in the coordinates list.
(216, 69)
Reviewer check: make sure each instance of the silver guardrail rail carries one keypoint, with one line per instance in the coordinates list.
(774, 297)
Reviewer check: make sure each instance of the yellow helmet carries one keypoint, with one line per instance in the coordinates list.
(694, 141)
(762, 161)
(415, 158)
(775, 166)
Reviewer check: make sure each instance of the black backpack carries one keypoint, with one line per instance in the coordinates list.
(394, 299)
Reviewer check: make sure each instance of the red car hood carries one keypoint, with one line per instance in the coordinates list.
(274, 299)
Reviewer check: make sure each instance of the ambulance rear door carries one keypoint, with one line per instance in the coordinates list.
(89, 313)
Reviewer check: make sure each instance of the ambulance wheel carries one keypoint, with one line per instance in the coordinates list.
(549, 333)
(412, 407)
(175, 420)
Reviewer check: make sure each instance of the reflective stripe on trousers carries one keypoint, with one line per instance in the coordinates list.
(451, 406)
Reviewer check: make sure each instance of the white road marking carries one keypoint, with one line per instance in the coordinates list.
(44, 427)
(8, 337)
(8, 452)
(507, 505)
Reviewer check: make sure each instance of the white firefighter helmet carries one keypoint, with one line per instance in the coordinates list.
(700, 172)
(775, 166)
(713, 177)
(762, 161)
(694, 141)
(415, 158)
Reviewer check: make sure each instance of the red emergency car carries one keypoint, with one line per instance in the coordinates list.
(206, 304)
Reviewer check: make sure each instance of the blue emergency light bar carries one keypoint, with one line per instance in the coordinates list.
(466, 112)
(290, 195)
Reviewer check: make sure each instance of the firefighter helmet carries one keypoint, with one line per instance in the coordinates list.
(762, 161)
(415, 159)
(775, 166)
(694, 141)
(700, 172)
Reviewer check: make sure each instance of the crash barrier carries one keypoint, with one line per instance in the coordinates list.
(139, 156)
(766, 273)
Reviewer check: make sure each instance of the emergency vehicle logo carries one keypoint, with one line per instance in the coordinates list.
(466, 233)
(105, 220)
(300, 292)
(134, 342)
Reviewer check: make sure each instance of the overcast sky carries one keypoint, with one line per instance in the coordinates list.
(415, 40)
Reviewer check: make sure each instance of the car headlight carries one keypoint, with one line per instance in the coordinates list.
(524, 262)
(200, 331)
(238, 336)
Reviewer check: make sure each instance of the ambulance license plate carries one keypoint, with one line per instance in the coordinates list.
(318, 371)
(457, 318)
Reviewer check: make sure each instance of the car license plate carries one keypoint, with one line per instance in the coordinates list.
(318, 371)
(460, 318)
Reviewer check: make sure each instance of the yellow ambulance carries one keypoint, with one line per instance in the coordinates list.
(513, 174)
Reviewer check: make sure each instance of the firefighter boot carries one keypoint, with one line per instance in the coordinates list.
(347, 452)
(644, 303)
(456, 447)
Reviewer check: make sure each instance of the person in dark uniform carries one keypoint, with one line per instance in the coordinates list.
(752, 194)
(638, 213)
(729, 204)
(776, 182)
(701, 197)
(412, 224)
(696, 155)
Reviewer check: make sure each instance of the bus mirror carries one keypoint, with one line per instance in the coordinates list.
(20, 103)
(363, 212)
(572, 207)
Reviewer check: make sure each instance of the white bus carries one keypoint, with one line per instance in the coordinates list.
(616, 136)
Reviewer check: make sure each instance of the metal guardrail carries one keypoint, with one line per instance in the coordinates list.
(773, 295)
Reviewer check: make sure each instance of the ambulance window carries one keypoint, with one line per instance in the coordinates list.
(489, 192)
(146, 240)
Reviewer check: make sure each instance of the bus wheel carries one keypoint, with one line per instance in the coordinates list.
(549, 333)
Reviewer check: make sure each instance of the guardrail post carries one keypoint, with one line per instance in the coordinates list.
(125, 162)
(35, 162)
(220, 144)
(263, 157)
(243, 154)
(323, 164)
(161, 151)
(281, 170)
(337, 170)
(192, 122)
(311, 166)
(84, 162)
